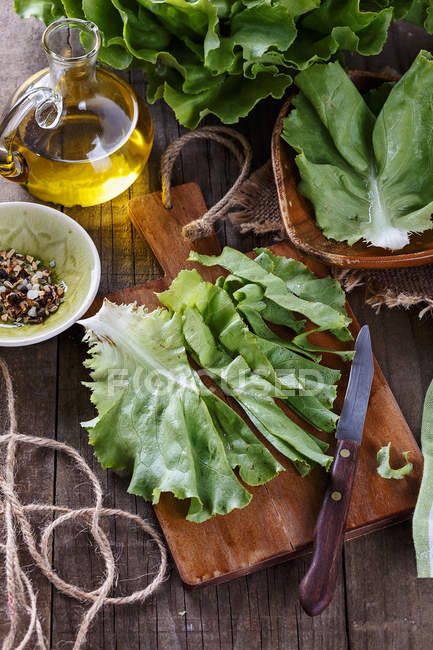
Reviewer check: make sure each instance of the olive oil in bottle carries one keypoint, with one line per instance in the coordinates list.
(102, 135)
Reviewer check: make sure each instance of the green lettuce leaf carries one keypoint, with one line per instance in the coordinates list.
(158, 420)
(275, 288)
(251, 302)
(368, 28)
(259, 28)
(368, 178)
(385, 470)
(256, 311)
(421, 13)
(219, 56)
(318, 379)
(301, 281)
(113, 51)
(318, 393)
(316, 390)
(220, 315)
(303, 343)
(231, 98)
(73, 8)
(306, 285)
(400, 7)
(46, 10)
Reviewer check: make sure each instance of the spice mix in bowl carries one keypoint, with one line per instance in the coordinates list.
(49, 273)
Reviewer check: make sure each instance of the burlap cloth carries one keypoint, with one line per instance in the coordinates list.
(252, 203)
(255, 208)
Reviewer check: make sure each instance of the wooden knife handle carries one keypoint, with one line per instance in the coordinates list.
(318, 585)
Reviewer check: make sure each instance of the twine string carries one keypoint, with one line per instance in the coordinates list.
(21, 595)
(243, 153)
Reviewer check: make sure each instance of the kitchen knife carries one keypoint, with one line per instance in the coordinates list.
(318, 585)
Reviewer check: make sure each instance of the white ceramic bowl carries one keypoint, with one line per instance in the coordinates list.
(48, 234)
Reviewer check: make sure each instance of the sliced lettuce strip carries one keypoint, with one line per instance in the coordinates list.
(254, 307)
(253, 393)
(250, 296)
(315, 401)
(303, 282)
(384, 468)
(275, 288)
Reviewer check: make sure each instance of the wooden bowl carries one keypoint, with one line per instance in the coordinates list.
(298, 214)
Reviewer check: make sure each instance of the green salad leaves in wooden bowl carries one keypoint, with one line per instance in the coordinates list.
(353, 162)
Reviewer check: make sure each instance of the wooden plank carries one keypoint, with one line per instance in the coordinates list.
(33, 369)
(387, 606)
(82, 566)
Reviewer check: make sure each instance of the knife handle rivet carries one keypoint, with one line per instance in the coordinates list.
(336, 496)
(345, 453)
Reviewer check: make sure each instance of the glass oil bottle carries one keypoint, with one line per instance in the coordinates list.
(77, 134)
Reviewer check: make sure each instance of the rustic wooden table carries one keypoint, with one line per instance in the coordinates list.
(379, 603)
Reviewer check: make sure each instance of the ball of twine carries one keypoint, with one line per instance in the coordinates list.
(21, 595)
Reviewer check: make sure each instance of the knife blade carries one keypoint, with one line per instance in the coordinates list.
(318, 585)
(351, 423)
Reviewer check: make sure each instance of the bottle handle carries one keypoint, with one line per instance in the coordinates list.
(48, 107)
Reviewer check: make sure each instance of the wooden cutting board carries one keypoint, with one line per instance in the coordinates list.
(279, 522)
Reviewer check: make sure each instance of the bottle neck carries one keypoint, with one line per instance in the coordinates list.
(74, 80)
